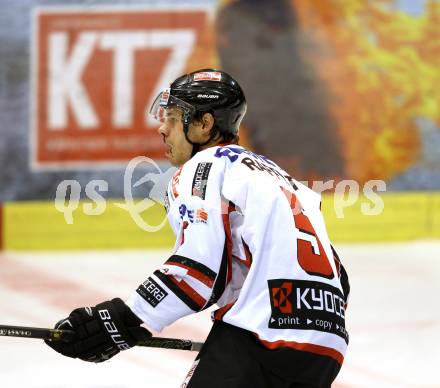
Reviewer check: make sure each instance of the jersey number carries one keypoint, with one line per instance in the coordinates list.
(311, 255)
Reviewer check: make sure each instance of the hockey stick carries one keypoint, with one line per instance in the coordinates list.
(58, 335)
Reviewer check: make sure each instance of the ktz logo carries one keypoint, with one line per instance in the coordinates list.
(97, 70)
(280, 297)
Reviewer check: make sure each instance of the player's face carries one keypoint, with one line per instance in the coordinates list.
(178, 148)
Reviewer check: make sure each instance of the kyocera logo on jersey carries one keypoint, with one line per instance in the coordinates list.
(152, 292)
(312, 299)
(307, 305)
(306, 297)
(280, 297)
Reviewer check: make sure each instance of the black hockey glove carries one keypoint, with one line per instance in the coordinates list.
(100, 332)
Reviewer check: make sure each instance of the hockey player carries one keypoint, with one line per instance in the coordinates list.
(250, 239)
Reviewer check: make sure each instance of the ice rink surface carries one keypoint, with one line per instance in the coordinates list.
(393, 318)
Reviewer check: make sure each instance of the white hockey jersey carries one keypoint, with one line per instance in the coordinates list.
(253, 241)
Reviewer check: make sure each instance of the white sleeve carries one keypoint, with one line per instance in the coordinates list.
(195, 275)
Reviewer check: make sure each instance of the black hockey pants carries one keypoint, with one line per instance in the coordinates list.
(230, 358)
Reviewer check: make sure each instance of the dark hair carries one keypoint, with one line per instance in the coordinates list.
(215, 130)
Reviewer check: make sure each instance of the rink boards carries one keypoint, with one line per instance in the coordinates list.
(41, 226)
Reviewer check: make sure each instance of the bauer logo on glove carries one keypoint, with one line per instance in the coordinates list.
(101, 332)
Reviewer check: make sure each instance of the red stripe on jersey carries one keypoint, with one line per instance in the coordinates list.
(312, 348)
(227, 209)
(194, 273)
(189, 291)
(337, 261)
(219, 314)
(182, 233)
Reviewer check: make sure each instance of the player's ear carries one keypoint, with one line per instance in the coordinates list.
(207, 122)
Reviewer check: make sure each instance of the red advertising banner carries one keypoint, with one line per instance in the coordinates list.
(95, 73)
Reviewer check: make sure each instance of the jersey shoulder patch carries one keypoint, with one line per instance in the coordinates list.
(200, 179)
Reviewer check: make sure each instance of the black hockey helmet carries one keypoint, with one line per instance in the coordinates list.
(202, 91)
